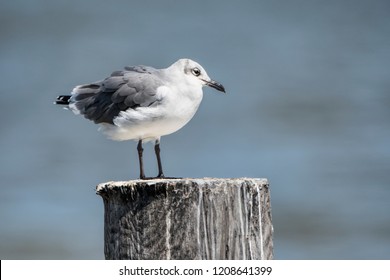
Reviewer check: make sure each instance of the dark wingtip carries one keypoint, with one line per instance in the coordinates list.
(62, 100)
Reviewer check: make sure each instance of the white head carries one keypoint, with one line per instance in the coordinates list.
(195, 73)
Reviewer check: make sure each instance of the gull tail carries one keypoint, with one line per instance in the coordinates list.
(62, 100)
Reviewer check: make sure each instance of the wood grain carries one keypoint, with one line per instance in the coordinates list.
(205, 218)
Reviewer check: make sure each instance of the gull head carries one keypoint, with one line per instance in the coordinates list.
(195, 74)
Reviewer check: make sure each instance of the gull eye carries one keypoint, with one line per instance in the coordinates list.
(195, 71)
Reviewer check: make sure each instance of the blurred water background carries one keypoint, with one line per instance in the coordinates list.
(308, 107)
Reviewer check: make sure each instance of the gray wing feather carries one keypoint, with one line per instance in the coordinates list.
(127, 89)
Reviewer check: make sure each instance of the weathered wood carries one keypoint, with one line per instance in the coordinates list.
(187, 219)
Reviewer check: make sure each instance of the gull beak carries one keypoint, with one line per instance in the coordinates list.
(215, 85)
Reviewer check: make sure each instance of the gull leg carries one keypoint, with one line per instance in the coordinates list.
(157, 151)
(141, 162)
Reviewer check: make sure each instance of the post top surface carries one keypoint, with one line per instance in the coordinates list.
(200, 181)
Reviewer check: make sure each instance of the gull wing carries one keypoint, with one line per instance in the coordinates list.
(102, 101)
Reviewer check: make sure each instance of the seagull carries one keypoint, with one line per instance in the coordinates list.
(142, 103)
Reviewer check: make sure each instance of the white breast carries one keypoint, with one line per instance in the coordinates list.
(174, 111)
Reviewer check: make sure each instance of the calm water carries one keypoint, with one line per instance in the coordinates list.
(307, 107)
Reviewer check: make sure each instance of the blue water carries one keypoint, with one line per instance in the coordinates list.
(307, 107)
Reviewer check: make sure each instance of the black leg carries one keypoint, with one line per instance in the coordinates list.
(157, 151)
(141, 162)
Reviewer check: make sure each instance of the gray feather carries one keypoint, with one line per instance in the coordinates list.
(102, 101)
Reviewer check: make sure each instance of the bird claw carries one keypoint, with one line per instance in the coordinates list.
(160, 177)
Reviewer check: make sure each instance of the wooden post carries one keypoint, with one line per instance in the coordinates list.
(187, 219)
